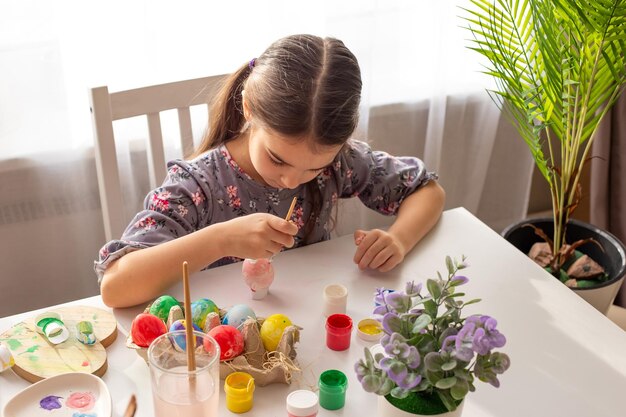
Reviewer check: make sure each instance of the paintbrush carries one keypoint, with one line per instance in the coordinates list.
(288, 217)
(131, 407)
(290, 212)
(191, 345)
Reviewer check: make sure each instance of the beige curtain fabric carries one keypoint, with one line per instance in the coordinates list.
(608, 170)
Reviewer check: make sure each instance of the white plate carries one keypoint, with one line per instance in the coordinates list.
(67, 392)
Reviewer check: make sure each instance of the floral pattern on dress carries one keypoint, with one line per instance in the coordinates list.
(213, 188)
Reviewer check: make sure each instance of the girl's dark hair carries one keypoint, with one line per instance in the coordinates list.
(301, 86)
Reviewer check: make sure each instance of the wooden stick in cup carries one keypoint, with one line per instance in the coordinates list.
(191, 357)
(290, 212)
(132, 407)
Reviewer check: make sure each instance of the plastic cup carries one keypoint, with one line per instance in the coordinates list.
(338, 331)
(176, 390)
(333, 385)
(302, 403)
(335, 299)
(239, 389)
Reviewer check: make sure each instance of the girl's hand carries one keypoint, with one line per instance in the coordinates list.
(377, 249)
(258, 235)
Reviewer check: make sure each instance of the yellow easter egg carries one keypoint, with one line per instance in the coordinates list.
(272, 330)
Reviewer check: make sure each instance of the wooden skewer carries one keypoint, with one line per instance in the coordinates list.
(290, 212)
(132, 407)
(288, 216)
(191, 345)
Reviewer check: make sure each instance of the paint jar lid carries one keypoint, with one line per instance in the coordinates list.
(335, 293)
(302, 403)
(50, 325)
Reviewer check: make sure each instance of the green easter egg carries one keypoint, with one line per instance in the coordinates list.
(162, 305)
(200, 309)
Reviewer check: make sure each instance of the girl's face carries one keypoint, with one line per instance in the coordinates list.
(284, 162)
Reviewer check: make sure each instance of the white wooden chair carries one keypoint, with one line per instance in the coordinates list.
(149, 101)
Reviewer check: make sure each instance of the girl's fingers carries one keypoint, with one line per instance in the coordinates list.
(359, 235)
(373, 249)
(381, 257)
(364, 240)
(391, 263)
(282, 225)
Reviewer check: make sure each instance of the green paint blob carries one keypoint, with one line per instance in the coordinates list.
(32, 348)
(14, 344)
(33, 358)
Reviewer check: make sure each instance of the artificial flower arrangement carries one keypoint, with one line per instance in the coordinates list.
(432, 355)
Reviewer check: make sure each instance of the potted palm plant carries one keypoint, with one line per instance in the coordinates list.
(559, 66)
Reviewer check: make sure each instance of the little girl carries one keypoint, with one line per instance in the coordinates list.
(280, 128)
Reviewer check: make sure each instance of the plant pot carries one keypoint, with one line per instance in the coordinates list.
(612, 259)
(386, 409)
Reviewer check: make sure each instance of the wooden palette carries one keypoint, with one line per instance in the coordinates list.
(37, 359)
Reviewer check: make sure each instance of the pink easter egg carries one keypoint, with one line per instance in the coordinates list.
(228, 338)
(257, 273)
(145, 328)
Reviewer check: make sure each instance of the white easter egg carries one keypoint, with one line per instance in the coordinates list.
(237, 315)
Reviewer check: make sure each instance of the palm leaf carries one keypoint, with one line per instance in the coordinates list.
(559, 66)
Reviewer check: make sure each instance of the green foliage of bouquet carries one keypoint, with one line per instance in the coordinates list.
(432, 355)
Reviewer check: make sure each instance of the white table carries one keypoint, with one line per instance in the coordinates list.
(567, 359)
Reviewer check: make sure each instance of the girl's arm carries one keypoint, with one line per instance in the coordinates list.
(418, 213)
(147, 273)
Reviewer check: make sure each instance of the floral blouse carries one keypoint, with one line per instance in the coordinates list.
(212, 188)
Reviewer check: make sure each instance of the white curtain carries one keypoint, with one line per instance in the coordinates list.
(423, 95)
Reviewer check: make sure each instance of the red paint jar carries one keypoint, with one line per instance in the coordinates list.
(338, 331)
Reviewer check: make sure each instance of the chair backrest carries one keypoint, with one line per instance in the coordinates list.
(149, 101)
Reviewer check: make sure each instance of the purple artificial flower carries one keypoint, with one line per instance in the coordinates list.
(463, 341)
(398, 301)
(381, 310)
(392, 323)
(412, 289)
(398, 373)
(449, 343)
(397, 346)
(463, 279)
(487, 337)
(379, 296)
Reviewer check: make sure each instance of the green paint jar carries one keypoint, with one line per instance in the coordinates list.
(333, 385)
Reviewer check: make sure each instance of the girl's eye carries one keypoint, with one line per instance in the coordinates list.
(276, 162)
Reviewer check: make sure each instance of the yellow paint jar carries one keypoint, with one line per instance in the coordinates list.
(369, 330)
(239, 389)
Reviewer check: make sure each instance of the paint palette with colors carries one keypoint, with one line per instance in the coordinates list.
(65, 395)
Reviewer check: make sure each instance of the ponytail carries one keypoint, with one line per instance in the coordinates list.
(226, 113)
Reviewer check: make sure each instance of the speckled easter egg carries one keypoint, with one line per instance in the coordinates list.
(272, 330)
(229, 339)
(200, 309)
(162, 305)
(237, 314)
(181, 340)
(145, 328)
